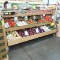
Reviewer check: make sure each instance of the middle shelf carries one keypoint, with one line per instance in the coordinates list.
(26, 26)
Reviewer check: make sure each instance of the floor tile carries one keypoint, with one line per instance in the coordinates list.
(45, 49)
(18, 53)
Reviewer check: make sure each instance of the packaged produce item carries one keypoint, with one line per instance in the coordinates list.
(6, 25)
(21, 23)
(26, 32)
(45, 28)
(9, 23)
(13, 36)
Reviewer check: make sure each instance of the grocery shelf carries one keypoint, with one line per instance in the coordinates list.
(24, 39)
(27, 14)
(26, 26)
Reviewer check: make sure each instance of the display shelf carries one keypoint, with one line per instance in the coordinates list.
(20, 40)
(27, 14)
(26, 26)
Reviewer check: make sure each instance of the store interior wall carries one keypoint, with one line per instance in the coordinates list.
(41, 2)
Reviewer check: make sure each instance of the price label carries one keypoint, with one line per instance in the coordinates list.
(15, 18)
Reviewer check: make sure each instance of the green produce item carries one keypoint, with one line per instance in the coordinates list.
(52, 27)
(15, 6)
(33, 6)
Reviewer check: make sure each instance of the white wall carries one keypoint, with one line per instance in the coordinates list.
(53, 1)
(44, 1)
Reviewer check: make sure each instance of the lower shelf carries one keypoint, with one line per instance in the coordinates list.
(13, 42)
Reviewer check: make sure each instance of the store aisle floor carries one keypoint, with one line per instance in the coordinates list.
(46, 48)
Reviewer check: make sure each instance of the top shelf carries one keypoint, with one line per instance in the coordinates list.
(27, 14)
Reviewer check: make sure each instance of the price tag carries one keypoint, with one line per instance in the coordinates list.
(15, 18)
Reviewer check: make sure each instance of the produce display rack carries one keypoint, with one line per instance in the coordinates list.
(24, 39)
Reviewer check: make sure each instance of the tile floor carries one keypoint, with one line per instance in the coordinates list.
(44, 48)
